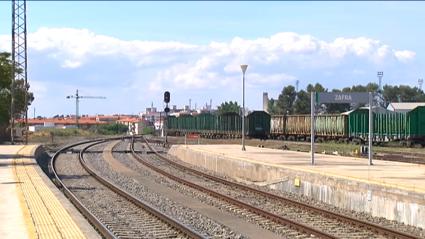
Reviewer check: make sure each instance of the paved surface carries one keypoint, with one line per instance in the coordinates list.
(405, 176)
(29, 209)
(13, 223)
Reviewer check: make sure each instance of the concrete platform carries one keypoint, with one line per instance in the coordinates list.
(30, 205)
(387, 189)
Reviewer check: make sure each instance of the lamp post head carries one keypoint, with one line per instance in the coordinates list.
(243, 67)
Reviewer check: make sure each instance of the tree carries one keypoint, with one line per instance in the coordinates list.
(403, 93)
(316, 88)
(286, 100)
(302, 103)
(227, 107)
(291, 102)
(272, 107)
(5, 89)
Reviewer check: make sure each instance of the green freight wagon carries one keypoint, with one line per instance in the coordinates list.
(416, 124)
(331, 126)
(186, 124)
(258, 124)
(206, 123)
(173, 126)
(229, 125)
(387, 125)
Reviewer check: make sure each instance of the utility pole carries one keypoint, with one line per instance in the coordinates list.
(19, 60)
(77, 98)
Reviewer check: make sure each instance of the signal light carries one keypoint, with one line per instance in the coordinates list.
(167, 97)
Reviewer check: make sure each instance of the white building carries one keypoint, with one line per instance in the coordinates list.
(135, 125)
(404, 106)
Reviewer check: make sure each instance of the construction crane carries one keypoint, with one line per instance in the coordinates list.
(77, 98)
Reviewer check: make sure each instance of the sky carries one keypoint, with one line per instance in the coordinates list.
(131, 52)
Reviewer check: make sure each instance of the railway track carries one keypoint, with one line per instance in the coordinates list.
(306, 218)
(113, 212)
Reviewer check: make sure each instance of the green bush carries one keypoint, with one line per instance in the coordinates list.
(148, 130)
(62, 132)
(109, 129)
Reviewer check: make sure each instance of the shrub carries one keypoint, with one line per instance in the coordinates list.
(109, 129)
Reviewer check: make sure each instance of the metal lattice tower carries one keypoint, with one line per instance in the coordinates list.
(420, 82)
(19, 59)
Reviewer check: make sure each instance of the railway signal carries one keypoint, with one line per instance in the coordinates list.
(77, 98)
(167, 110)
(167, 97)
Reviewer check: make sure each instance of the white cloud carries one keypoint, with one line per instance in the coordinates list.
(270, 79)
(75, 46)
(274, 60)
(405, 55)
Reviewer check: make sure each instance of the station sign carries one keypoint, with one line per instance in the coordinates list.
(341, 97)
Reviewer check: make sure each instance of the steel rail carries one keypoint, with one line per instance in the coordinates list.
(388, 232)
(144, 205)
(98, 225)
(276, 218)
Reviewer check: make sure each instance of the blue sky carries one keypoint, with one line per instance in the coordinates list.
(131, 52)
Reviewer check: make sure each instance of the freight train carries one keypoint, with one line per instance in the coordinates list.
(408, 127)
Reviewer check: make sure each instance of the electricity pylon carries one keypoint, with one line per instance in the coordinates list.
(77, 98)
(19, 61)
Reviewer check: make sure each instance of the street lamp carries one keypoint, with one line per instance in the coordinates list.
(243, 67)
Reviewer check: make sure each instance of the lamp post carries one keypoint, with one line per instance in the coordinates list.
(243, 67)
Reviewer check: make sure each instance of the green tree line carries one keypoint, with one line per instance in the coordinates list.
(291, 102)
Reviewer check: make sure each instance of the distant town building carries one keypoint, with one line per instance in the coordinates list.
(404, 106)
(155, 117)
(135, 125)
(68, 122)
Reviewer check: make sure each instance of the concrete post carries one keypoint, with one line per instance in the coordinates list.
(370, 128)
(312, 127)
